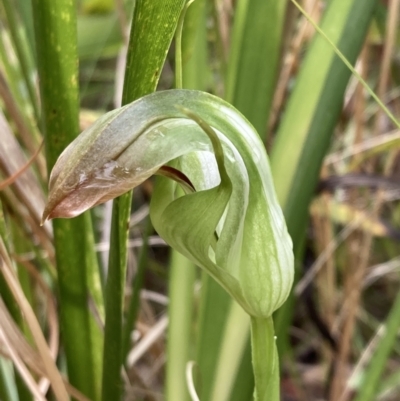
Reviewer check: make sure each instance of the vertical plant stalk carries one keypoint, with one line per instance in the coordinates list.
(178, 47)
(214, 308)
(114, 291)
(254, 58)
(265, 359)
(212, 297)
(195, 71)
(182, 276)
(310, 118)
(137, 284)
(182, 272)
(153, 27)
(236, 336)
(55, 33)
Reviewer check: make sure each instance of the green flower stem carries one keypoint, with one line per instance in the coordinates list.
(153, 27)
(55, 34)
(265, 359)
(178, 47)
(195, 69)
(182, 271)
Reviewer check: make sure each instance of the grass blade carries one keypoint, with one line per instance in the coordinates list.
(191, 53)
(55, 32)
(211, 330)
(194, 47)
(305, 131)
(254, 58)
(180, 311)
(309, 119)
(148, 47)
(236, 335)
(153, 27)
(370, 382)
(137, 284)
(7, 384)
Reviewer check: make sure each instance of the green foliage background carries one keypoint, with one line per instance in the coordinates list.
(59, 61)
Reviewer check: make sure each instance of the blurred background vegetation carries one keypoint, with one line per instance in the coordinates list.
(335, 160)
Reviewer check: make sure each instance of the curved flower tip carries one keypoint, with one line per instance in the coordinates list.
(97, 166)
(117, 153)
(71, 197)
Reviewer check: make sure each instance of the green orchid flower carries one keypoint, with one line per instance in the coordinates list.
(230, 223)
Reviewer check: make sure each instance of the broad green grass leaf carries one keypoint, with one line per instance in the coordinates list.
(314, 107)
(252, 73)
(182, 276)
(311, 114)
(254, 58)
(78, 275)
(152, 29)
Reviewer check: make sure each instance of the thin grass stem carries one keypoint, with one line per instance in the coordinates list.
(181, 283)
(137, 284)
(149, 41)
(348, 65)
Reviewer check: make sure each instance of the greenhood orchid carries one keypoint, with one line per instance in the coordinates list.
(228, 222)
